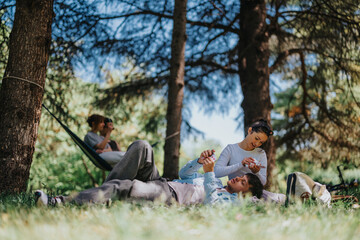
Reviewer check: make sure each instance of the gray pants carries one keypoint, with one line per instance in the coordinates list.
(125, 189)
(137, 163)
(123, 181)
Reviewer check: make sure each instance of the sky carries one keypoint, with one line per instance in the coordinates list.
(219, 127)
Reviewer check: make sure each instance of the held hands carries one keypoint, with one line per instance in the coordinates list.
(208, 165)
(205, 154)
(252, 164)
(207, 160)
(98, 151)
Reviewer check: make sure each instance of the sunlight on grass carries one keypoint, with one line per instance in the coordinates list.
(125, 220)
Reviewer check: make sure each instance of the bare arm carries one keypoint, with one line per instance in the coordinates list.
(102, 145)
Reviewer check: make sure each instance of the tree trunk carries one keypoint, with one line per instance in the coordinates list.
(254, 70)
(176, 91)
(22, 91)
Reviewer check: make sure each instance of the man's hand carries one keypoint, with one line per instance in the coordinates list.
(98, 151)
(208, 165)
(205, 154)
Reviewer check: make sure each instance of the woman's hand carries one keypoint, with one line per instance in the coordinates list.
(250, 163)
(205, 154)
(254, 168)
(208, 165)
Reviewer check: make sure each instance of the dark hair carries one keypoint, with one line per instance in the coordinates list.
(262, 125)
(256, 187)
(95, 118)
(107, 120)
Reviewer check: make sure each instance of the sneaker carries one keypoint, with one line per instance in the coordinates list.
(41, 199)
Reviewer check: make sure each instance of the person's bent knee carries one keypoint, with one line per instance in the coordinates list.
(141, 144)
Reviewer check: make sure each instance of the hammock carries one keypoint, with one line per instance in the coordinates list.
(89, 151)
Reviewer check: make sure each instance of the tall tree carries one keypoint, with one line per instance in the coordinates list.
(22, 91)
(176, 91)
(253, 60)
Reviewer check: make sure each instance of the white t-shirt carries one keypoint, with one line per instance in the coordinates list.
(229, 163)
(92, 139)
(112, 157)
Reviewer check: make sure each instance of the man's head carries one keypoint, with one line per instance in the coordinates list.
(256, 187)
(108, 122)
(108, 125)
(247, 183)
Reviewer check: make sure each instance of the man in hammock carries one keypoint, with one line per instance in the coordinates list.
(109, 126)
(138, 178)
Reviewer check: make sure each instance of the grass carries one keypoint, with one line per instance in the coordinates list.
(20, 219)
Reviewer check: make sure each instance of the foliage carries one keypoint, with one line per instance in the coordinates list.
(4, 38)
(318, 115)
(322, 120)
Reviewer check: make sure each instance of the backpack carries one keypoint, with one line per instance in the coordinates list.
(301, 186)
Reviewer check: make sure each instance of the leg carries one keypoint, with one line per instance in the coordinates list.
(151, 191)
(124, 189)
(114, 190)
(137, 163)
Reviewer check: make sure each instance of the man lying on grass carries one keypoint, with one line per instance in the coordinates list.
(136, 177)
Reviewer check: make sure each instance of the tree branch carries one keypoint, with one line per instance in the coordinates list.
(337, 141)
(89, 173)
(168, 16)
(282, 56)
(7, 6)
(212, 64)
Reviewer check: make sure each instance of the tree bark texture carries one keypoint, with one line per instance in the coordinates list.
(176, 91)
(22, 91)
(254, 70)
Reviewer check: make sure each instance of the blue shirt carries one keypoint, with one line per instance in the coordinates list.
(214, 190)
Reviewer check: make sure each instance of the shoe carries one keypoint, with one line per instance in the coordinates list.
(41, 199)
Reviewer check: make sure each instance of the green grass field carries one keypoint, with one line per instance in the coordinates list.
(20, 219)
